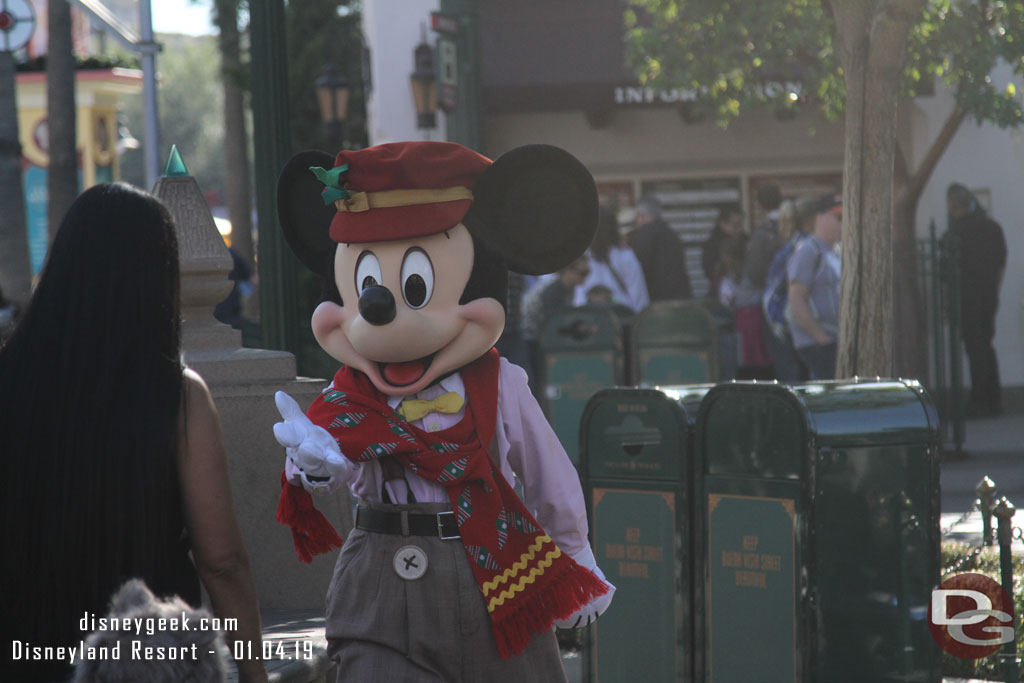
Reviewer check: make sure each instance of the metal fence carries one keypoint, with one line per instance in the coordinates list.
(939, 282)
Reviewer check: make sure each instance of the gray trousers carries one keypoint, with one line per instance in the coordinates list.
(381, 627)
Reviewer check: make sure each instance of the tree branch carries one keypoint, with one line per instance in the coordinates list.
(919, 179)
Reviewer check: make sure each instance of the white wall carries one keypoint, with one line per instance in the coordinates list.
(393, 29)
(983, 158)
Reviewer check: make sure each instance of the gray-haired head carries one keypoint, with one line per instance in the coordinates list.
(135, 601)
(649, 206)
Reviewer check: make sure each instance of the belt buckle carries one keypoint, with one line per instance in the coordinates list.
(440, 526)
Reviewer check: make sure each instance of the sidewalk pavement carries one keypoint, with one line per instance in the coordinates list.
(994, 447)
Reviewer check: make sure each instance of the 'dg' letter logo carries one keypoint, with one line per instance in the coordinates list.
(970, 616)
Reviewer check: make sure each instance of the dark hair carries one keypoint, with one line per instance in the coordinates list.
(769, 197)
(90, 398)
(960, 197)
(726, 211)
(606, 236)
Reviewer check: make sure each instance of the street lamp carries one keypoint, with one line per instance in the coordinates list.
(332, 94)
(424, 86)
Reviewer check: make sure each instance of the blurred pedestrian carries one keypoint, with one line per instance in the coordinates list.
(814, 290)
(661, 253)
(548, 297)
(982, 249)
(723, 306)
(113, 461)
(8, 317)
(613, 266)
(728, 229)
(750, 322)
(512, 344)
(229, 311)
(796, 223)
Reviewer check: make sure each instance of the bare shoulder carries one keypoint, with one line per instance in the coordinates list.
(198, 400)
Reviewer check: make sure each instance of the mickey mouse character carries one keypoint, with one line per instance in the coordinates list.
(448, 574)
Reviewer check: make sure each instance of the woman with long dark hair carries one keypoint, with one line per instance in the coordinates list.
(614, 267)
(111, 453)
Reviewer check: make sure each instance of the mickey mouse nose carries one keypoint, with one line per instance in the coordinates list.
(377, 305)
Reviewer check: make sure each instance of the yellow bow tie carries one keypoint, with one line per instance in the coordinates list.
(415, 408)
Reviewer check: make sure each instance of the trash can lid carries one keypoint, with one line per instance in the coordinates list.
(689, 396)
(767, 429)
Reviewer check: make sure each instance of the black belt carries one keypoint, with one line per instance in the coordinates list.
(400, 523)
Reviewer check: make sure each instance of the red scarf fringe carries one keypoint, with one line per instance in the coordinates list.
(566, 593)
(311, 532)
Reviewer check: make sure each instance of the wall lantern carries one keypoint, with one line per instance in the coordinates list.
(332, 94)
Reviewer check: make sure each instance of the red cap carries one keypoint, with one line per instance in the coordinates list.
(402, 190)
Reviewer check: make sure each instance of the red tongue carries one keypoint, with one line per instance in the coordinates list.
(401, 374)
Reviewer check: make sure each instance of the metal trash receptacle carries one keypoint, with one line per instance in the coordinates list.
(674, 343)
(637, 468)
(820, 529)
(582, 349)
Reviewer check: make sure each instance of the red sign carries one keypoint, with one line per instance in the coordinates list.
(444, 23)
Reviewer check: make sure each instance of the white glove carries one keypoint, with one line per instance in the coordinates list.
(313, 460)
(589, 613)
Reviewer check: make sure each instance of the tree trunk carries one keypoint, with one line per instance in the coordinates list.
(911, 349)
(62, 174)
(872, 40)
(236, 152)
(15, 265)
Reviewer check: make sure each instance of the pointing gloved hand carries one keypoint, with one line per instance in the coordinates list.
(313, 459)
(589, 613)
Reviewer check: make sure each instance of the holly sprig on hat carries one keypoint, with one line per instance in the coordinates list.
(333, 191)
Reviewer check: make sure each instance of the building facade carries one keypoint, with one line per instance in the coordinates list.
(555, 73)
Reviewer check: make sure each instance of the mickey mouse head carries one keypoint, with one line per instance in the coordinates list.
(415, 241)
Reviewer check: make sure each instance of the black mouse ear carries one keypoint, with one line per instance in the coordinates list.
(304, 217)
(536, 207)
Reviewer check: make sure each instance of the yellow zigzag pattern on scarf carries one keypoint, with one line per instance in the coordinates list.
(524, 559)
(524, 580)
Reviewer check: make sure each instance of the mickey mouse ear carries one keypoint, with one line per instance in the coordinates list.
(536, 207)
(304, 217)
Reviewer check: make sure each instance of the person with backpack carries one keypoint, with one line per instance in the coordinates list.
(814, 290)
(796, 223)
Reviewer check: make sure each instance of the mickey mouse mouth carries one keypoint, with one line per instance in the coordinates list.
(405, 373)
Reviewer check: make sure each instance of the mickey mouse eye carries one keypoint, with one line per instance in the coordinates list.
(367, 271)
(417, 278)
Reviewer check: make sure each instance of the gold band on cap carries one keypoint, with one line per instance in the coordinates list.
(364, 201)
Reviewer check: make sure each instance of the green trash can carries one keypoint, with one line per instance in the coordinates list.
(582, 350)
(674, 343)
(820, 530)
(638, 476)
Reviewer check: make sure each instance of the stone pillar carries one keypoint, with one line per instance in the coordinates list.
(243, 382)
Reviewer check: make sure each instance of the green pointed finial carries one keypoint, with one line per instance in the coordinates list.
(175, 166)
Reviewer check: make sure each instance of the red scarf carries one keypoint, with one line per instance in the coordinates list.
(526, 580)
